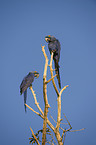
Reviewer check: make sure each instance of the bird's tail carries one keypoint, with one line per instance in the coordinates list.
(25, 97)
(57, 72)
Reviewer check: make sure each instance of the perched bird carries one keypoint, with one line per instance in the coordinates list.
(27, 82)
(54, 46)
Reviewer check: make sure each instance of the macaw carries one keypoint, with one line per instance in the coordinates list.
(54, 46)
(27, 82)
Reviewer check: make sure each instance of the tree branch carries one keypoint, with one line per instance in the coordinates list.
(59, 112)
(50, 79)
(45, 97)
(51, 71)
(77, 130)
(53, 119)
(48, 122)
(34, 111)
(68, 123)
(34, 136)
(59, 108)
(57, 134)
(63, 89)
(36, 103)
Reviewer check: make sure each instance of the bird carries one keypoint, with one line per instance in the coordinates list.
(27, 82)
(54, 46)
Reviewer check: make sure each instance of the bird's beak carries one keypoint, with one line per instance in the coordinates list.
(46, 39)
(37, 75)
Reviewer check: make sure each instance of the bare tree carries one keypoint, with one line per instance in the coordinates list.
(60, 138)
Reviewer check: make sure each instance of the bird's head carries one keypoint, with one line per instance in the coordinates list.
(36, 74)
(49, 38)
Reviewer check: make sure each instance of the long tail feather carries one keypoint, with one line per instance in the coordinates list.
(57, 72)
(25, 97)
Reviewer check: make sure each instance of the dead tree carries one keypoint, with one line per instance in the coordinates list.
(43, 114)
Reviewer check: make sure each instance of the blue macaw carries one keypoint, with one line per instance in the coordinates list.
(27, 82)
(54, 46)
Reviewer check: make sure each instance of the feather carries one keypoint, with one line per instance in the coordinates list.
(57, 72)
(25, 98)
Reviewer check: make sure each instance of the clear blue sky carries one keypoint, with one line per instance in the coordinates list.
(23, 26)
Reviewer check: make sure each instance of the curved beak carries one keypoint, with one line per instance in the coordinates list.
(46, 39)
(37, 75)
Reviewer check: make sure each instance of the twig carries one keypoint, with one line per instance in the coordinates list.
(50, 79)
(64, 138)
(60, 122)
(51, 140)
(68, 123)
(34, 111)
(34, 136)
(63, 89)
(77, 130)
(62, 129)
(67, 129)
(53, 119)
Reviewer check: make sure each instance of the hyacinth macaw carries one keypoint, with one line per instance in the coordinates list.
(27, 82)
(54, 46)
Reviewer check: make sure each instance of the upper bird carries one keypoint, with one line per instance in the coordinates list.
(54, 46)
(27, 82)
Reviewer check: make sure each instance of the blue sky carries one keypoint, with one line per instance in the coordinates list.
(23, 26)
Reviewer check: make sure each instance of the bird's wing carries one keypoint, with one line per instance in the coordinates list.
(27, 81)
(58, 48)
(52, 46)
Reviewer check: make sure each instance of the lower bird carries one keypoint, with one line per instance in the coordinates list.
(54, 46)
(27, 82)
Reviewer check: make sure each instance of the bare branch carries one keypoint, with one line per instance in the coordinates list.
(64, 134)
(52, 139)
(62, 129)
(50, 79)
(51, 70)
(77, 130)
(44, 77)
(59, 112)
(36, 103)
(45, 97)
(68, 123)
(53, 119)
(34, 136)
(34, 111)
(46, 61)
(64, 137)
(48, 122)
(64, 123)
(63, 89)
(57, 134)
